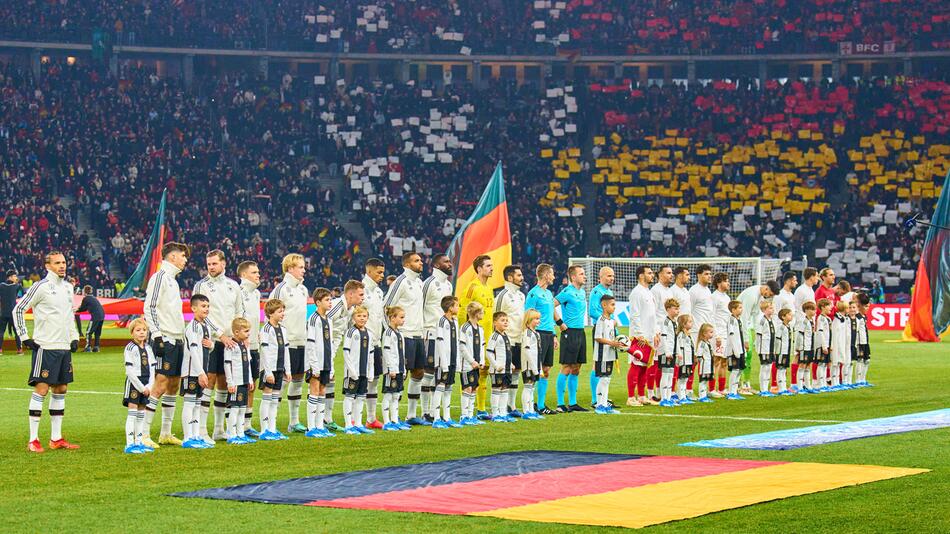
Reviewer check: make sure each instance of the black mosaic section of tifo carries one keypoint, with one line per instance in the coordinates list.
(405, 477)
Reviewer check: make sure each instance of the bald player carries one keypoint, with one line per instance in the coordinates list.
(434, 289)
(594, 311)
(479, 291)
(406, 292)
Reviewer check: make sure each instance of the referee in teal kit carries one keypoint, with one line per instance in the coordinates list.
(573, 303)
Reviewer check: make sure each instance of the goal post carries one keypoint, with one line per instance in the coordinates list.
(743, 272)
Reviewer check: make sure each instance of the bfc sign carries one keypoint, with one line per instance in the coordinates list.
(847, 48)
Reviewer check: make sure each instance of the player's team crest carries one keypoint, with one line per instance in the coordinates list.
(144, 361)
(240, 396)
(44, 373)
(134, 394)
(167, 366)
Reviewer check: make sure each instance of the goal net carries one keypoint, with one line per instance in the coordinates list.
(743, 272)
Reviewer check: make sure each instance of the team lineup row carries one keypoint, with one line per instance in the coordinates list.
(798, 340)
(409, 336)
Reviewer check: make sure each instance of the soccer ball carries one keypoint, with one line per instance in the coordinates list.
(625, 341)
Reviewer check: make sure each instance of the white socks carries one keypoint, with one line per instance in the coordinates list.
(499, 398)
(765, 377)
(666, 384)
(437, 401)
(168, 413)
(780, 378)
(513, 389)
(36, 411)
(734, 382)
(371, 398)
(447, 404)
(681, 388)
(861, 371)
(236, 422)
(150, 410)
(821, 375)
(203, 409)
(57, 406)
(527, 398)
(189, 417)
(130, 421)
(268, 415)
(321, 416)
(139, 426)
(468, 404)
(603, 389)
(414, 389)
(312, 409)
(348, 403)
(220, 407)
(394, 407)
(294, 391)
(428, 389)
(329, 396)
(703, 389)
(387, 403)
(264, 415)
(358, 410)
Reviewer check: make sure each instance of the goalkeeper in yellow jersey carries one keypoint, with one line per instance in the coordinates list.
(479, 291)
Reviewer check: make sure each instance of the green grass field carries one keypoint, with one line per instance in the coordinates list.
(97, 488)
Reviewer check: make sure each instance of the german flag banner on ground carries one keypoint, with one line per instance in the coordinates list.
(577, 488)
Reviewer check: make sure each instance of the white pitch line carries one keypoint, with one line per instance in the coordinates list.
(733, 417)
(71, 391)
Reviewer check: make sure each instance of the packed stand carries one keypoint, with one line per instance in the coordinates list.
(417, 159)
(33, 215)
(730, 169)
(235, 166)
(593, 27)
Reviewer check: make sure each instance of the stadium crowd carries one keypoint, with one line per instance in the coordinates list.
(824, 154)
(493, 27)
(114, 145)
(249, 167)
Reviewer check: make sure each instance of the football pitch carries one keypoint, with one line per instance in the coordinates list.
(98, 488)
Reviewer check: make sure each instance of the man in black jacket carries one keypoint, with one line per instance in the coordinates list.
(97, 316)
(10, 289)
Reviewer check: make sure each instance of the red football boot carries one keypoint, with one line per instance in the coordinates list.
(62, 444)
(375, 424)
(34, 446)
